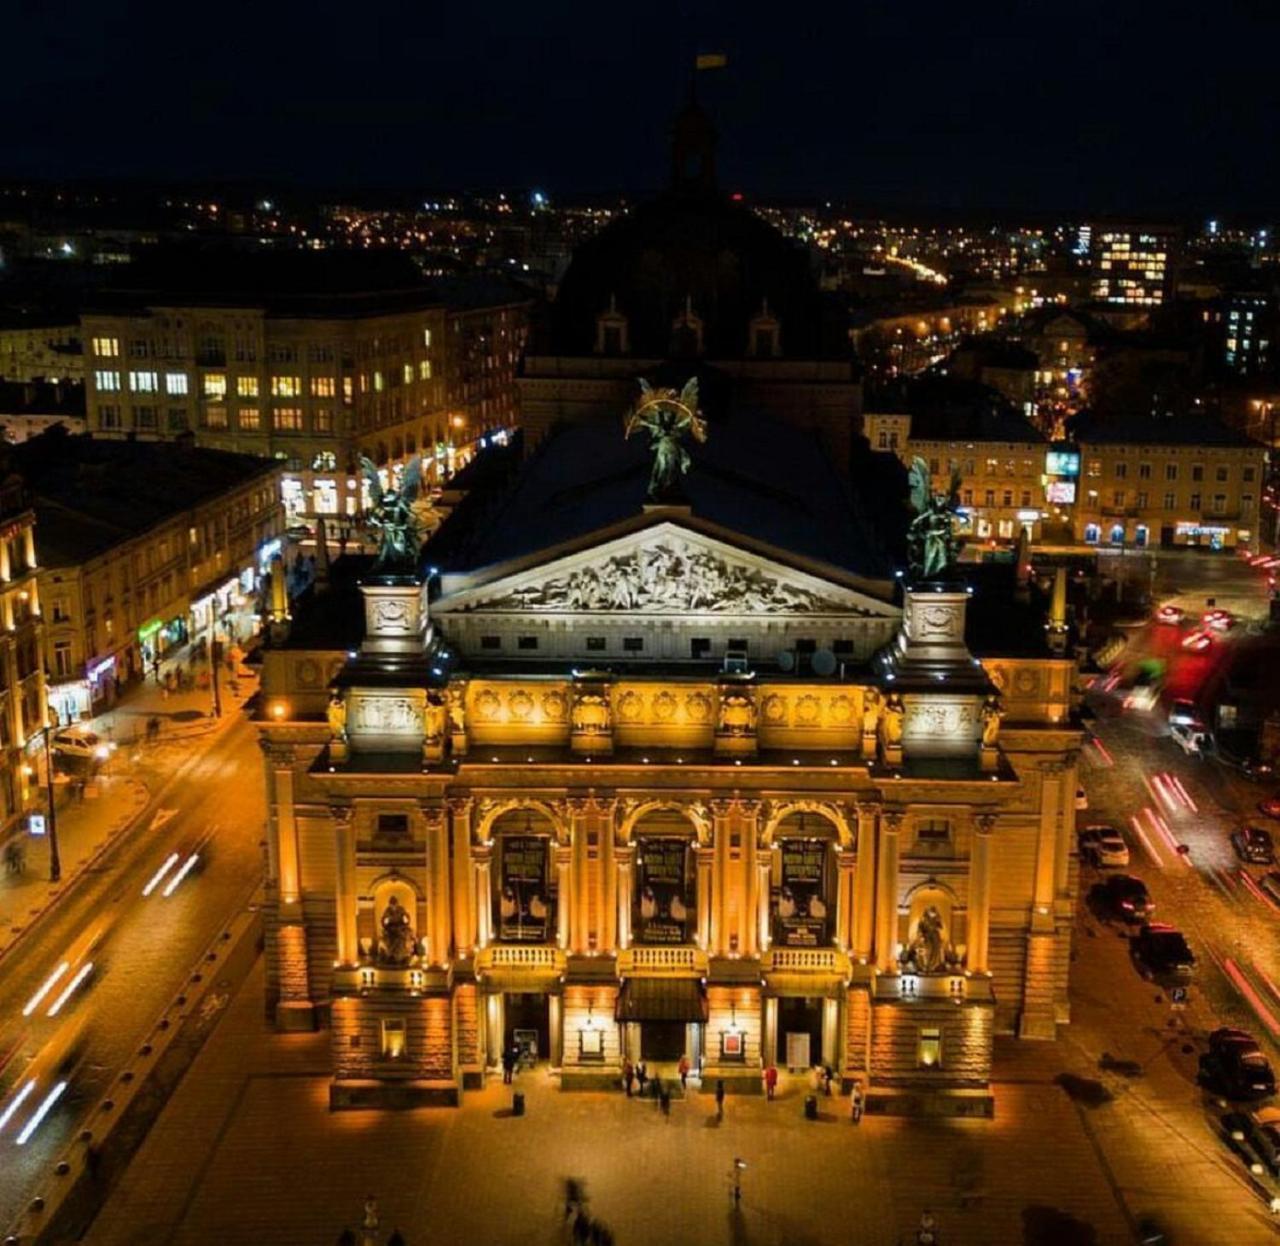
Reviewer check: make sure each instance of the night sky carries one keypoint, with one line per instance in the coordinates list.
(1114, 106)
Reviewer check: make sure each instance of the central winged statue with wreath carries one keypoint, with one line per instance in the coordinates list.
(666, 416)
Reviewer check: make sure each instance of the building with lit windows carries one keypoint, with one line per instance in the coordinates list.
(130, 572)
(312, 360)
(23, 711)
(40, 347)
(1132, 266)
(1181, 481)
(614, 778)
(1248, 327)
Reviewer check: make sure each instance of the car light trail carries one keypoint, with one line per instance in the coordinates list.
(172, 885)
(16, 1102)
(1160, 827)
(1257, 892)
(67, 991)
(158, 876)
(1102, 751)
(40, 1113)
(1183, 794)
(1146, 843)
(1271, 986)
(1254, 1000)
(49, 983)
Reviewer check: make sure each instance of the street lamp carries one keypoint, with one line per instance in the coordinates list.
(55, 861)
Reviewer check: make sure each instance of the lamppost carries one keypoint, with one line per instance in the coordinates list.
(55, 861)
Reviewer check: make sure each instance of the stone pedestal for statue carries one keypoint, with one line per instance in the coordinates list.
(591, 718)
(339, 749)
(395, 615)
(989, 757)
(737, 720)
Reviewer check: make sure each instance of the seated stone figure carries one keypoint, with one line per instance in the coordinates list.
(397, 945)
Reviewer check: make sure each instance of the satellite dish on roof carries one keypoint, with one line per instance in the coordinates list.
(824, 662)
(786, 660)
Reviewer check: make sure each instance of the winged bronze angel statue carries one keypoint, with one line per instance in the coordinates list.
(931, 541)
(392, 516)
(666, 416)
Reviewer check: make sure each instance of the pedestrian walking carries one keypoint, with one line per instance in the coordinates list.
(508, 1064)
(770, 1081)
(573, 1196)
(827, 1074)
(855, 1101)
(628, 1076)
(683, 1068)
(664, 1100)
(720, 1099)
(642, 1077)
(581, 1228)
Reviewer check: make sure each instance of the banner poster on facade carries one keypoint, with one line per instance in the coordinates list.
(525, 908)
(663, 904)
(799, 904)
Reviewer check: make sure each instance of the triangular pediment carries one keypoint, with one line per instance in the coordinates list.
(665, 569)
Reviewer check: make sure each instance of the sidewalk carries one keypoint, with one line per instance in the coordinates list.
(116, 795)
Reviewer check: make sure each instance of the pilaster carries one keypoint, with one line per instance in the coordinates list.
(346, 893)
(864, 884)
(438, 905)
(887, 892)
(978, 938)
(464, 913)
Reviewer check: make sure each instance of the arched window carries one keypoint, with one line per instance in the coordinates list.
(611, 331)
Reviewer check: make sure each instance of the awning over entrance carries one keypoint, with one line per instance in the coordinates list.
(661, 999)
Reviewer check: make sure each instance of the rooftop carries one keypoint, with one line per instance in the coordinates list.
(1145, 430)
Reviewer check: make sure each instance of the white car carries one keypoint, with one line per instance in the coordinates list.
(79, 744)
(1189, 737)
(1104, 846)
(1082, 800)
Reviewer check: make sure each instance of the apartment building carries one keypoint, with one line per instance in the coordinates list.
(313, 361)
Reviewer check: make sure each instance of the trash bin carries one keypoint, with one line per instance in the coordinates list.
(811, 1107)
(517, 1104)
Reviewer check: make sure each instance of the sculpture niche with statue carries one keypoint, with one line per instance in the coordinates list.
(932, 547)
(394, 516)
(666, 416)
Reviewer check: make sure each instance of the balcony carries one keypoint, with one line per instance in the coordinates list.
(959, 988)
(520, 966)
(828, 961)
(366, 977)
(649, 962)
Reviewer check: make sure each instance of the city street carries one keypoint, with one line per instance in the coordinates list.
(127, 933)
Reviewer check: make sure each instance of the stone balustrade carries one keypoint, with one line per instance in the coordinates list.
(679, 961)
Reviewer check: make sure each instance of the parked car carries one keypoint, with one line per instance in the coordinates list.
(84, 744)
(1235, 1066)
(1103, 846)
(1184, 712)
(1169, 614)
(1256, 769)
(1259, 1131)
(1253, 845)
(1190, 738)
(1162, 953)
(1219, 620)
(1126, 897)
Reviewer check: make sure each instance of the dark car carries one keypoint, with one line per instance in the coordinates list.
(1235, 1065)
(1253, 845)
(1162, 953)
(1259, 1132)
(1126, 897)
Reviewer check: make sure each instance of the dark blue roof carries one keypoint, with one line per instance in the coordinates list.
(755, 476)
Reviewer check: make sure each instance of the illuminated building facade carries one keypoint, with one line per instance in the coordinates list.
(1132, 266)
(616, 778)
(347, 359)
(127, 575)
(1189, 480)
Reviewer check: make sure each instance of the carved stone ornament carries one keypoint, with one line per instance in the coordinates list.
(668, 577)
(391, 614)
(387, 714)
(737, 714)
(591, 714)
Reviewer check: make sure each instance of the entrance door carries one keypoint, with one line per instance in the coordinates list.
(528, 1024)
(799, 1017)
(662, 1040)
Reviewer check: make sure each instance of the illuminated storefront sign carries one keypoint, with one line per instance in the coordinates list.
(148, 630)
(663, 904)
(799, 904)
(525, 908)
(1198, 529)
(1060, 492)
(1062, 463)
(98, 669)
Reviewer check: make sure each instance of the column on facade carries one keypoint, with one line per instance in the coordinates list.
(625, 855)
(764, 871)
(481, 861)
(844, 897)
(978, 938)
(1065, 828)
(29, 546)
(555, 1029)
(286, 831)
(887, 893)
(721, 815)
(579, 814)
(705, 858)
(6, 567)
(864, 884)
(608, 932)
(438, 906)
(464, 920)
(1052, 794)
(564, 895)
(748, 920)
(769, 1035)
(345, 892)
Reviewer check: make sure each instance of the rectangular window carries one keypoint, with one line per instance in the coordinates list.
(740, 645)
(109, 416)
(144, 382)
(1219, 504)
(633, 644)
(145, 417)
(246, 387)
(282, 352)
(106, 347)
(1197, 472)
(286, 387)
(426, 338)
(424, 370)
(1144, 471)
(215, 385)
(378, 383)
(1171, 471)
(1193, 501)
(699, 647)
(842, 648)
(393, 1038)
(1142, 501)
(175, 384)
(215, 417)
(322, 420)
(1121, 470)
(177, 419)
(249, 419)
(287, 419)
(1093, 467)
(527, 642)
(408, 373)
(1117, 498)
(929, 1048)
(109, 382)
(596, 644)
(323, 387)
(1221, 475)
(1247, 475)
(490, 642)
(393, 825)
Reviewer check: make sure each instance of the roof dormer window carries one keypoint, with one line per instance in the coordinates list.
(764, 338)
(686, 332)
(611, 331)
